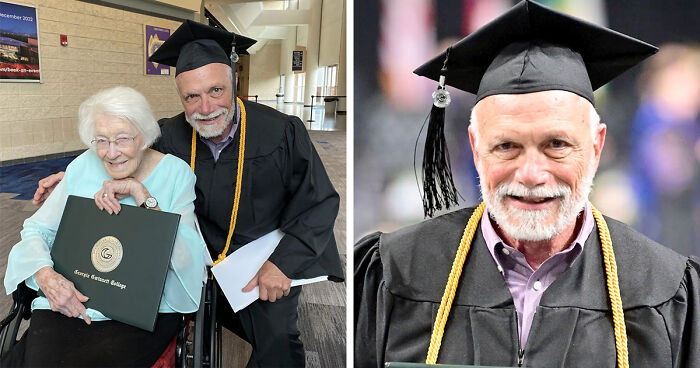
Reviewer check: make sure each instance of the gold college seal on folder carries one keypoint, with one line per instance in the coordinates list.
(119, 261)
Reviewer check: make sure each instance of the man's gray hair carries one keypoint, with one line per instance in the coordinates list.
(123, 102)
(230, 75)
(593, 119)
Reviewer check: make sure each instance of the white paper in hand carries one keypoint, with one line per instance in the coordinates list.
(234, 272)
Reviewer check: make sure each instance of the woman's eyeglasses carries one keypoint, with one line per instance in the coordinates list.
(121, 142)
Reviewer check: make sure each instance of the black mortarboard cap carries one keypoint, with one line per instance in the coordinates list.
(533, 48)
(529, 48)
(194, 45)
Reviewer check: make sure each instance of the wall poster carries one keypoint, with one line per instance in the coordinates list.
(154, 37)
(19, 43)
(298, 60)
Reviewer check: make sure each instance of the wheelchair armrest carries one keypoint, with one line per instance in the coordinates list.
(11, 316)
(21, 307)
(191, 339)
(23, 296)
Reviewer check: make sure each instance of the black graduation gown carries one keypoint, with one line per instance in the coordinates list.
(285, 186)
(400, 278)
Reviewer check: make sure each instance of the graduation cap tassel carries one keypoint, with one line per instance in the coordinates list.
(234, 54)
(438, 185)
(234, 60)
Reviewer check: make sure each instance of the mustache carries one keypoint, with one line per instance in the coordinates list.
(520, 190)
(217, 113)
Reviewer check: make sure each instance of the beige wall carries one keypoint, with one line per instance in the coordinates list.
(331, 32)
(264, 71)
(193, 5)
(105, 49)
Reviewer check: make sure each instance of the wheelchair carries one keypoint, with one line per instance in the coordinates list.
(197, 330)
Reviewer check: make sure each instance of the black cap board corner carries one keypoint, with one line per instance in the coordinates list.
(529, 48)
(194, 45)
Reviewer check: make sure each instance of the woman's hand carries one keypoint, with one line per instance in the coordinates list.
(112, 191)
(61, 293)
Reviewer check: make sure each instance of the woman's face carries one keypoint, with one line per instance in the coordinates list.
(118, 144)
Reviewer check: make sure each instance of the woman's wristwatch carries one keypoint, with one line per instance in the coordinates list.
(149, 203)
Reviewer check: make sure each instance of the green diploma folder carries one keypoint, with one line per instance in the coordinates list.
(119, 261)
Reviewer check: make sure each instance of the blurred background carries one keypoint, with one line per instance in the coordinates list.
(649, 176)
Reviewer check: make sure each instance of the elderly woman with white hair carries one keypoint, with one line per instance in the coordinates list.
(119, 168)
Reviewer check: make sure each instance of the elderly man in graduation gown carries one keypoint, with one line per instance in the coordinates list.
(283, 185)
(257, 171)
(535, 276)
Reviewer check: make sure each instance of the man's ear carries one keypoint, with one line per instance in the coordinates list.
(472, 142)
(599, 141)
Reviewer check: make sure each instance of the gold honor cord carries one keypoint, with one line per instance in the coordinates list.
(239, 178)
(453, 280)
(613, 290)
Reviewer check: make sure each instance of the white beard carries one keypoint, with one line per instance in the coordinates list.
(210, 131)
(531, 225)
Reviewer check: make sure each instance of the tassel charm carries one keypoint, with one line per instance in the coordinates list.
(439, 190)
(441, 98)
(234, 55)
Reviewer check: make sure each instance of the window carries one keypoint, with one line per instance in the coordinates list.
(331, 81)
(320, 78)
(299, 87)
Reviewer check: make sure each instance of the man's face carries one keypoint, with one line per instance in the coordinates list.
(536, 158)
(207, 96)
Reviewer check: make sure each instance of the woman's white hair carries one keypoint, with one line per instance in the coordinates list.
(123, 102)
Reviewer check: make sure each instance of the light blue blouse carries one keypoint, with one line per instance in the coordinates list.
(171, 182)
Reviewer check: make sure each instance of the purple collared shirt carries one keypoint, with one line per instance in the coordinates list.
(525, 285)
(216, 148)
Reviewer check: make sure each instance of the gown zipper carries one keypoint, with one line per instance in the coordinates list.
(521, 357)
(521, 351)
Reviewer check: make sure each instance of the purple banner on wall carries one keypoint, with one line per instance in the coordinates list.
(155, 36)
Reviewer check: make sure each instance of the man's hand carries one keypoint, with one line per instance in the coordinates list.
(112, 191)
(272, 283)
(46, 186)
(62, 294)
